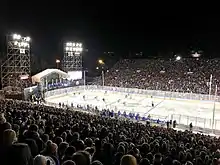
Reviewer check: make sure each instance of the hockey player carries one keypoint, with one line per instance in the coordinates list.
(152, 104)
(119, 113)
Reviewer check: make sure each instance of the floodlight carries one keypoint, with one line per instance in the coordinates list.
(67, 48)
(26, 44)
(16, 43)
(16, 37)
(71, 49)
(27, 39)
(68, 44)
(178, 58)
(97, 68)
(23, 44)
(70, 53)
(57, 61)
(80, 49)
(196, 55)
(101, 62)
(74, 44)
(80, 45)
(22, 51)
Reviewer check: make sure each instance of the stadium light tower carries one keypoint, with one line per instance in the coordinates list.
(57, 63)
(15, 70)
(72, 60)
(101, 62)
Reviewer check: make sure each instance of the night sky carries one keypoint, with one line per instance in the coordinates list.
(156, 30)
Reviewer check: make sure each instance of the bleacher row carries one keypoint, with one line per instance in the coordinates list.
(39, 134)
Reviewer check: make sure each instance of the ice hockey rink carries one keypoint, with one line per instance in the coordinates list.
(198, 112)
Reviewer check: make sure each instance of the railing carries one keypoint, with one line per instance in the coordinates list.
(200, 123)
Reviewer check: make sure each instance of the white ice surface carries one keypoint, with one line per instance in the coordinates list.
(184, 111)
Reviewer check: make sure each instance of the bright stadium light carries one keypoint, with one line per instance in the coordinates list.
(16, 43)
(16, 36)
(27, 39)
(57, 63)
(196, 55)
(73, 47)
(178, 58)
(21, 42)
(101, 62)
(68, 44)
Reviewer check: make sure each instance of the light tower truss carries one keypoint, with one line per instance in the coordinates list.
(72, 60)
(15, 70)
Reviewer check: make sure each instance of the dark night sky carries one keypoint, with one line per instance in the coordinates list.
(112, 27)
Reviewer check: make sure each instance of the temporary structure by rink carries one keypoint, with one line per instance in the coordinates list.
(49, 76)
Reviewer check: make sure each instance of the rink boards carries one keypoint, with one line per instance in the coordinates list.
(184, 111)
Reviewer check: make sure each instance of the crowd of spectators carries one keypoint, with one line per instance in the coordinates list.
(42, 135)
(184, 75)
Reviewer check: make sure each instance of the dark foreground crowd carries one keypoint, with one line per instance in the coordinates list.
(41, 135)
(186, 75)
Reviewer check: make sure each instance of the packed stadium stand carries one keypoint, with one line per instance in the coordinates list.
(36, 134)
(40, 135)
(186, 75)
